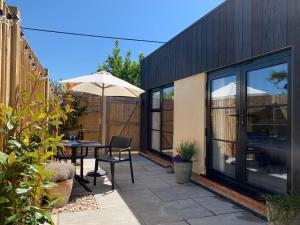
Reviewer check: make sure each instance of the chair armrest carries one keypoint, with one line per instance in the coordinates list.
(100, 147)
(124, 150)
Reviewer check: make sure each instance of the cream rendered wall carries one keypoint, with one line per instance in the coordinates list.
(189, 116)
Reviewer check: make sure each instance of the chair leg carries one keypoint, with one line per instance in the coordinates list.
(112, 168)
(131, 169)
(95, 171)
(81, 168)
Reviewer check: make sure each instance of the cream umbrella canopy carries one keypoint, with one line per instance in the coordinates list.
(103, 84)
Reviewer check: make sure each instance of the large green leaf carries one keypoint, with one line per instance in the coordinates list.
(21, 191)
(14, 144)
(3, 199)
(3, 158)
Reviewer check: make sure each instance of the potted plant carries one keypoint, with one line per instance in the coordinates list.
(183, 162)
(62, 177)
(283, 210)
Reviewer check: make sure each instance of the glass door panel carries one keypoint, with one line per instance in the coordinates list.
(167, 120)
(223, 124)
(156, 120)
(267, 127)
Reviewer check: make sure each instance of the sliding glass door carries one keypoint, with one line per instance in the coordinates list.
(248, 124)
(162, 110)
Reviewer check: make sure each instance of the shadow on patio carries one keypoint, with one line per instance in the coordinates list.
(155, 198)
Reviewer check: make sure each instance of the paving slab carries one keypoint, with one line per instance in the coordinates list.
(139, 197)
(175, 223)
(240, 218)
(156, 213)
(181, 192)
(218, 205)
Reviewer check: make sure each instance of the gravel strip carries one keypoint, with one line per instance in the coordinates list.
(78, 203)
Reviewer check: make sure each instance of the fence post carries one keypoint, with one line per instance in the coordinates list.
(15, 59)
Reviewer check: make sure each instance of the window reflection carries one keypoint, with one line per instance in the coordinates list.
(167, 120)
(267, 127)
(156, 100)
(223, 124)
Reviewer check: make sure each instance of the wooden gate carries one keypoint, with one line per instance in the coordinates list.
(122, 118)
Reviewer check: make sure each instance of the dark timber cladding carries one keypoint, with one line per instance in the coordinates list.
(235, 31)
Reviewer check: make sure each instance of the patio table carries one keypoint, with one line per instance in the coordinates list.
(74, 145)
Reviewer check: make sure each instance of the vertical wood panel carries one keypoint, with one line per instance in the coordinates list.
(204, 44)
(238, 30)
(198, 55)
(280, 23)
(230, 32)
(216, 39)
(246, 50)
(209, 44)
(223, 37)
(268, 25)
(257, 27)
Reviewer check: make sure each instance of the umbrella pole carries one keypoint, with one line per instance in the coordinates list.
(103, 122)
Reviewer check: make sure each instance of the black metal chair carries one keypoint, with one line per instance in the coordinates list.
(122, 144)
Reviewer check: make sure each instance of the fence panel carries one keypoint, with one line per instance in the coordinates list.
(123, 118)
(19, 66)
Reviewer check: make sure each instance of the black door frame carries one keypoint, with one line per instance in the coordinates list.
(160, 110)
(240, 70)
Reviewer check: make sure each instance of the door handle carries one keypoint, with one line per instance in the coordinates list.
(238, 116)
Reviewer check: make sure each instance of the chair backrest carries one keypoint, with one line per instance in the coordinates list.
(120, 142)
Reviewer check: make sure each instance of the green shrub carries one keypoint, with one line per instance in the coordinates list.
(284, 207)
(29, 138)
(186, 151)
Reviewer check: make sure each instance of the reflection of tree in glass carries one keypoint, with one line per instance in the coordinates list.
(168, 95)
(279, 78)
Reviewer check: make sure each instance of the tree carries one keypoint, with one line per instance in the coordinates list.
(122, 67)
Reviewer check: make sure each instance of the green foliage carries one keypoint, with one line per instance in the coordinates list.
(280, 80)
(29, 139)
(72, 106)
(123, 67)
(283, 209)
(186, 150)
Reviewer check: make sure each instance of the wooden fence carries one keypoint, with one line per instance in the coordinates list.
(123, 118)
(18, 63)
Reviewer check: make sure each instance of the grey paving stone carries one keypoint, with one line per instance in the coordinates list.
(175, 223)
(142, 184)
(181, 192)
(218, 205)
(156, 213)
(106, 216)
(139, 197)
(240, 218)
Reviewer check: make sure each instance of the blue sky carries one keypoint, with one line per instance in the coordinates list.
(67, 56)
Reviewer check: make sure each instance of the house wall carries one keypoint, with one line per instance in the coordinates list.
(236, 31)
(189, 116)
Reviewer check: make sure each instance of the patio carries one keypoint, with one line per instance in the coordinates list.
(155, 198)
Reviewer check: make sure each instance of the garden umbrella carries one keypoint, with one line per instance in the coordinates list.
(103, 84)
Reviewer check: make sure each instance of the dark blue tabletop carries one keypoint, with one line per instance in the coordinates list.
(78, 144)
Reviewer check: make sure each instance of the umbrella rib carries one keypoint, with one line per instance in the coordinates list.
(101, 86)
(131, 92)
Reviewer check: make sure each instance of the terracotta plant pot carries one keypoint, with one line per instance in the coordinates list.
(277, 216)
(61, 192)
(183, 171)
